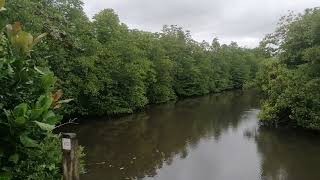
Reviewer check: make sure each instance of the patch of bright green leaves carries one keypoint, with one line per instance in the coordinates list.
(28, 148)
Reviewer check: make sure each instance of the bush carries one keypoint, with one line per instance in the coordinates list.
(292, 82)
(28, 148)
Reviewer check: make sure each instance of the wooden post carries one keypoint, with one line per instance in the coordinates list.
(70, 159)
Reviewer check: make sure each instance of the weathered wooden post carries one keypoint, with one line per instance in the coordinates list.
(70, 159)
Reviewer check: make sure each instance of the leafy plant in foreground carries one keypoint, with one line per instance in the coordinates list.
(28, 148)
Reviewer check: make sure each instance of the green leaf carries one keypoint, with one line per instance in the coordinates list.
(38, 70)
(7, 113)
(10, 70)
(28, 142)
(14, 158)
(52, 167)
(36, 113)
(51, 118)
(44, 102)
(20, 120)
(44, 126)
(42, 105)
(20, 110)
(47, 81)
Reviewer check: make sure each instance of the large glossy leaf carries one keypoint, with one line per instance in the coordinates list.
(42, 105)
(23, 42)
(51, 118)
(44, 102)
(44, 126)
(28, 142)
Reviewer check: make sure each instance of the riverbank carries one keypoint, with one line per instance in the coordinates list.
(88, 118)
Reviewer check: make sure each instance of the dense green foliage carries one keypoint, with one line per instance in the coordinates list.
(109, 69)
(292, 80)
(28, 148)
(103, 65)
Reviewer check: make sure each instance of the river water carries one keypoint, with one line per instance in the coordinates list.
(215, 137)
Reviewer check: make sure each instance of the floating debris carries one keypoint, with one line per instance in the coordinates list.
(101, 163)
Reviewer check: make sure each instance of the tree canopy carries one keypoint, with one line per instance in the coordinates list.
(108, 68)
(292, 80)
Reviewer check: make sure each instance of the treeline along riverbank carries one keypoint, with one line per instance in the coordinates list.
(79, 66)
(108, 68)
(93, 67)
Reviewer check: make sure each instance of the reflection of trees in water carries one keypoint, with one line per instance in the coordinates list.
(288, 155)
(143, 142)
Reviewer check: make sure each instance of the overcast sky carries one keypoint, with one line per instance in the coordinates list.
(243, 21)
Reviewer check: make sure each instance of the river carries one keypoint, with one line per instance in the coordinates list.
(215, 137)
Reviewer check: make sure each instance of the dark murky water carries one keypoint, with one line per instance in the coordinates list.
(214, 137)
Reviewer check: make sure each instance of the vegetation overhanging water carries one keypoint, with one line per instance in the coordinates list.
(99, 67)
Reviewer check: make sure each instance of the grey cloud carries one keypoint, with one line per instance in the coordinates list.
(244, 21)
